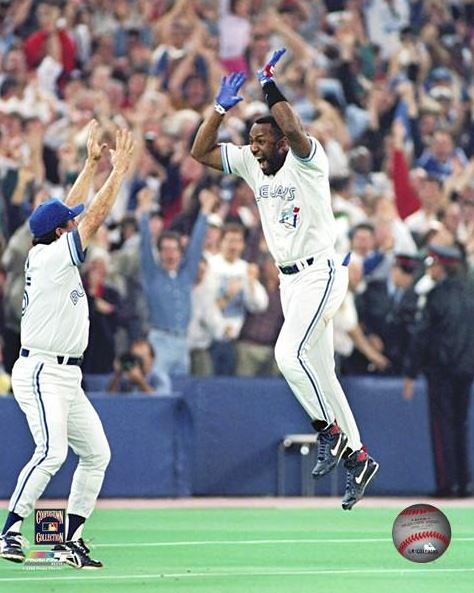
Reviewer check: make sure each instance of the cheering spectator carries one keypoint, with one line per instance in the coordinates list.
(52, 40)
(104, 307)
(438, 161)
(236, 291)
(168, 285)
(234, 34)
(207, 323)
(256, 344)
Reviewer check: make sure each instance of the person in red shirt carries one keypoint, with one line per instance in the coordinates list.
(51, 39)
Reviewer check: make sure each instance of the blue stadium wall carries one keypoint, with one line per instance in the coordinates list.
(220, 437)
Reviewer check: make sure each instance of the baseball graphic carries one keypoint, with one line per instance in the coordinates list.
(421, 533)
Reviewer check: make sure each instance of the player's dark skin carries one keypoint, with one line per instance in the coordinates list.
(269, 149)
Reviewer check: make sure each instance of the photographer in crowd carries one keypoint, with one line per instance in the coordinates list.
(134, 372)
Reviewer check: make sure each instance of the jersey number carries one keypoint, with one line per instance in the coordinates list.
(26, 299)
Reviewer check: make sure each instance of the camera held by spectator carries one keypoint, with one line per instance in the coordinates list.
(134, 372)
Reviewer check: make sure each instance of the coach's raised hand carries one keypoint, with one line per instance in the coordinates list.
(227, 96)
(95, 150)
(124, 147)
(103, 201)
(265, 74)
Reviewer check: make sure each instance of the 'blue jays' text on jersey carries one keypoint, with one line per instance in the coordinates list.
(294, 204)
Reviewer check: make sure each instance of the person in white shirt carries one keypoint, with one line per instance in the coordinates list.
(288, 173)
(46, 378)
(237, 290)
(207, 323)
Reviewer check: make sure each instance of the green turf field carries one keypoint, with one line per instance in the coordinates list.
(275, 550)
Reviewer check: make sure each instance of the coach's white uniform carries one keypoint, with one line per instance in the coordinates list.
(300, 230)
(55, 329)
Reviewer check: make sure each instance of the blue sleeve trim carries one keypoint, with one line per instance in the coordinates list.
(225, 160)
(78, 244)
(75, 248)
(311, 154)
(70, 250)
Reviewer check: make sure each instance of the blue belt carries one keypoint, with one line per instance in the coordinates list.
(61, 359)
(293, 269)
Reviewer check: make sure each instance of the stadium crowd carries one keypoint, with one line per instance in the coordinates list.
(387, 86)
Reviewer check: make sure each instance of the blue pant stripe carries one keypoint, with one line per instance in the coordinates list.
(307, 369)
(37, 392)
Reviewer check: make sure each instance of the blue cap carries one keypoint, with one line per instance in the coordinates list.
(51, 214)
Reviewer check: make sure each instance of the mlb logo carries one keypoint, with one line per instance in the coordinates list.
(49, 526)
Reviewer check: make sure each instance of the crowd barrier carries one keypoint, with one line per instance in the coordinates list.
(223, 437)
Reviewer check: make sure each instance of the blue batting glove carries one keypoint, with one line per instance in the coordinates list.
(227, 95)
(265, 74)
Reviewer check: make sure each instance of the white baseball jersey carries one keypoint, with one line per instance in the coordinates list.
(298, 224)
(55, 314)
(294, 204)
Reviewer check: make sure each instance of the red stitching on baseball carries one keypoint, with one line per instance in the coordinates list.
(419, 511)
(423, 535)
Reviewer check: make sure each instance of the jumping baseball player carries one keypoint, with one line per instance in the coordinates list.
(288, 172)
(47, 377)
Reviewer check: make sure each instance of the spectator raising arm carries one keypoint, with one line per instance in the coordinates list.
(406, 198)
(145, 204)
(208, 201)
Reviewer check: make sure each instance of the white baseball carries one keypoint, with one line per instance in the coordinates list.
(421, 533)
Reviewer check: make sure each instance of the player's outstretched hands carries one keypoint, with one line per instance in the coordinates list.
(227, 95)
(265, 74)
(124, 147)
(94, 148)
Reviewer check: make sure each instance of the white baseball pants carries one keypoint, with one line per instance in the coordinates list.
(305, 351)
(59, 415)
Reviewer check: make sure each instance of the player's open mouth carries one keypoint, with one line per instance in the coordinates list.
(262, 161)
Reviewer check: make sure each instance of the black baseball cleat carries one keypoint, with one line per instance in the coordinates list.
(76, 554)
(332, 444)
(11, 546)
(361, 468)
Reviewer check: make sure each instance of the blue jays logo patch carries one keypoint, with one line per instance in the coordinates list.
(76, 294)
(290, 217)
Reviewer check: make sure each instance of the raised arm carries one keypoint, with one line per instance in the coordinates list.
(145, 205)
(105, 198)
(285, 116)
(78, 191)
(205, 148)
(208, 201)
